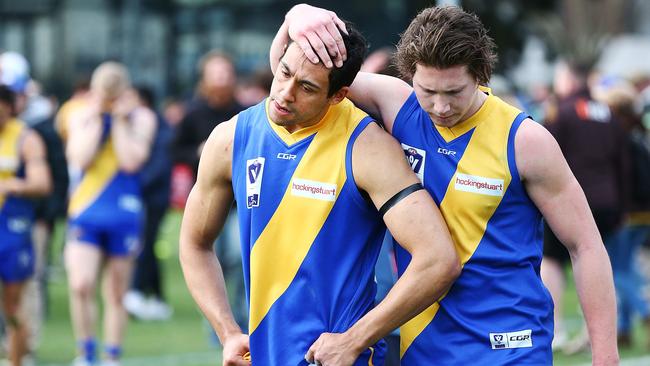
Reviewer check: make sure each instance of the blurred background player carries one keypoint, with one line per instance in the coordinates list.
(36, 111)
(109, 140)
(624, 251)
(215, 102)
(23, 174)
(580, 124)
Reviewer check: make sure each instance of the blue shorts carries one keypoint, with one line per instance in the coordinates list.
(16, 258)
(116, 240)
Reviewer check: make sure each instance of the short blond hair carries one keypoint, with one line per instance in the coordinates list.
(111, 78)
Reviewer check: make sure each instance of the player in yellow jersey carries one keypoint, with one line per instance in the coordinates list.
(313, 177)
(109, 139)
(495, 173)
(23, 175)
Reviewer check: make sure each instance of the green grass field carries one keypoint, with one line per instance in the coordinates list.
(183, 341)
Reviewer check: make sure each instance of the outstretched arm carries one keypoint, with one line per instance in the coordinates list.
(555, 191)
(205, 213)
(318, 33)
(416, 223)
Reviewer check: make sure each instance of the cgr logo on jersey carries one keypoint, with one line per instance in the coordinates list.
(284, 156)
(312, 189)
(254, 172)
(477, 184)
(446, 152)
(520, 339)
(416, 159)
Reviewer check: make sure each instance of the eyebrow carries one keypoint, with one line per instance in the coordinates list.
(452, 90)
(309, 83)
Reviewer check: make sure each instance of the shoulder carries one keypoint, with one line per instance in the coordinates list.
(373, 140)
(373, 149)
(32, 144)
(222, 137)
(535, 149)
(216, 157)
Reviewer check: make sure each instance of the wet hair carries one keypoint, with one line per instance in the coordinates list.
(444, 37)
(356, 48)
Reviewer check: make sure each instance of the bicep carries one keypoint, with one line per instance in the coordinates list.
(381, 96)
(379, 165)
(35, 156)
(552, 186)
(211, 197)
(414, 220)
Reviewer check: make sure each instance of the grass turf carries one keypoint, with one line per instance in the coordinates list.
(183, 340)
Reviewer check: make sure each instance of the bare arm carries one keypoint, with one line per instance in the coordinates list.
(555, 191)
(416, 223)
(205, 213)
(37, 181)
(132, 138)
(84, 133)
(316, 30)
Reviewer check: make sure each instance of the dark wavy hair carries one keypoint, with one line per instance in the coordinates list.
(356, 48)
(444, 37)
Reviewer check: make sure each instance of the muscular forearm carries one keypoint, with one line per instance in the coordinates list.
(593, 276)
(206, 283)
(422, 283)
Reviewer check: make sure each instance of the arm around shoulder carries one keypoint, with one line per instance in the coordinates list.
(381, 96)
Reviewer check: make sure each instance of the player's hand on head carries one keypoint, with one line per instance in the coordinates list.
(236, 351)
(318, 33)
(332, 349)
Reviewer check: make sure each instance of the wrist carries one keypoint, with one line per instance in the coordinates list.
(229, 334)
(357, 340)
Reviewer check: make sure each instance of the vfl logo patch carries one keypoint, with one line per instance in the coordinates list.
(312, 189)
(520, 339)
(416, 159)
(480, 185)
(254, 173)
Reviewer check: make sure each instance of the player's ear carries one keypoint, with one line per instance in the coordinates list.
(339, 95)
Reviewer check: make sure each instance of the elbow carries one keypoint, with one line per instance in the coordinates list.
(453, 268)
(446, 267)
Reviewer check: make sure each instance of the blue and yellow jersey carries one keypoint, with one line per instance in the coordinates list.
(309, 239)
(16, 213)
(498, 312)
(103, 193)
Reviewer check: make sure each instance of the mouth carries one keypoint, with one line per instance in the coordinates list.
(280, 109)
